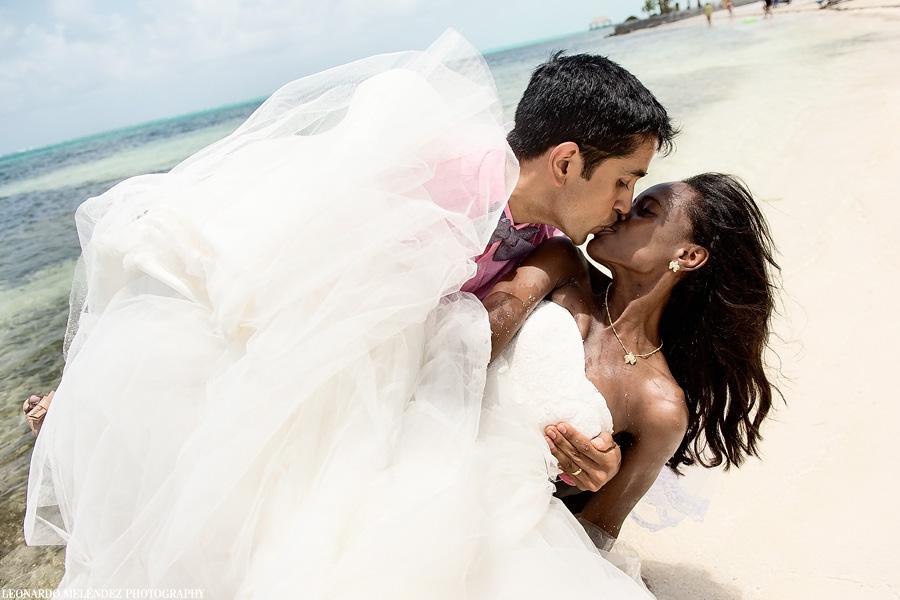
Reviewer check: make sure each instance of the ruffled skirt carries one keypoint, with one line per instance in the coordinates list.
(274, 387)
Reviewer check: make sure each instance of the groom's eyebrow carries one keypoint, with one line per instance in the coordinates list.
(638, 172)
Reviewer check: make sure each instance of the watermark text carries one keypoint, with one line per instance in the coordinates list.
(101, 593)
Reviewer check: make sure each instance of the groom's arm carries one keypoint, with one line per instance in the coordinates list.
(555, 263)
(513, 298)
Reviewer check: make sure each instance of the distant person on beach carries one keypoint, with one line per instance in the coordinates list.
(728, 4)
(275, 376)
(708, 11)
(767, 10)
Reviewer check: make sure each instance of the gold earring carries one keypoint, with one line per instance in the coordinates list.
(674, 266)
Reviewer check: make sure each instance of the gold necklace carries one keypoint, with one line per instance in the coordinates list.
(630, 358)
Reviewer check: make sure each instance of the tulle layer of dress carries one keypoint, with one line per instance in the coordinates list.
(273, 387)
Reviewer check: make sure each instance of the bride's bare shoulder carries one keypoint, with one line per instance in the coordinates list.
(662, 409)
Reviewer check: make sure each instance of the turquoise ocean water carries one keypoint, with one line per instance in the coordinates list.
(40, 190)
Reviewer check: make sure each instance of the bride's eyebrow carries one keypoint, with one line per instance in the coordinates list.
(637, 172)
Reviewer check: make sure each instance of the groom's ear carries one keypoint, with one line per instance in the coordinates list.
(564, 162)
(692, 257)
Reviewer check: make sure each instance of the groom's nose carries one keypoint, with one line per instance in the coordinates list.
(624, 212)
(622, 205)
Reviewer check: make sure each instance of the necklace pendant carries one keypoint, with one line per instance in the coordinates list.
(630, 359)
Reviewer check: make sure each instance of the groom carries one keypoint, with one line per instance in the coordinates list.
(585, 132)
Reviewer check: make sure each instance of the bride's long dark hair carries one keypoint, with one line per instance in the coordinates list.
(716, 326)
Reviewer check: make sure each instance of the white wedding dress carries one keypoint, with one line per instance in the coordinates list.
(273, 388)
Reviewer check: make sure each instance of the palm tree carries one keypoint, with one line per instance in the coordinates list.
(648, 7)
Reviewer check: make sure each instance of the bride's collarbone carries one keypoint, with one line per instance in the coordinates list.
(625, 387)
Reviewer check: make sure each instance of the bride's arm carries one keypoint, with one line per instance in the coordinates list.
(511, 300)
(659, 428)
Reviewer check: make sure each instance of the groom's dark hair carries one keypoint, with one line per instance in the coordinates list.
(592, 101)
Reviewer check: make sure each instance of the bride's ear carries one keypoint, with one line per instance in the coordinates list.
(692, 257)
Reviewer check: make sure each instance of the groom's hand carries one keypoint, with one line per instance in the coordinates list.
(598, 459)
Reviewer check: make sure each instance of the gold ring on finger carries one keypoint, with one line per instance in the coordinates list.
(578, 472)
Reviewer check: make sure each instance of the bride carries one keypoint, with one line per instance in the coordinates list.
(274, 388)
(691, 267)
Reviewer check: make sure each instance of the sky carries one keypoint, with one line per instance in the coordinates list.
(70, 68)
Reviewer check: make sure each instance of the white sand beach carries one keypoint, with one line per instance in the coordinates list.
(813, 130)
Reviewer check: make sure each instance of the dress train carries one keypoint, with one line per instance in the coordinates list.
(273, 386)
